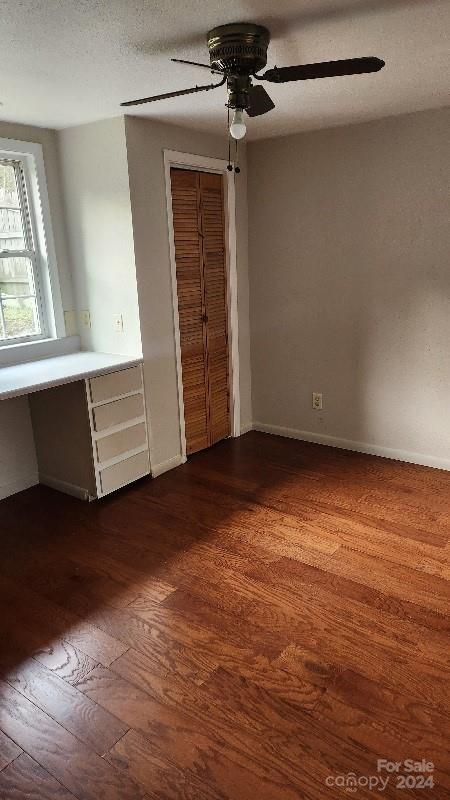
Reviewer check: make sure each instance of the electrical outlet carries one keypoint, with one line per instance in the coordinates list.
(118, 323)
(85, 318)
(70, 322)
(317, 403)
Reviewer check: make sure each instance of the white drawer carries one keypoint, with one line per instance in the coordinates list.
(118, 412)
(105, 387)
(117, 443)
(124, 472)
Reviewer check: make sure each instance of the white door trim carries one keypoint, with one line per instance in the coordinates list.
(174, 158)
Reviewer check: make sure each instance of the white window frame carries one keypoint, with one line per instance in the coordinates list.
(48, 291)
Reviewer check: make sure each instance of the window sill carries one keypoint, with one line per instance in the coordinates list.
(34, 351)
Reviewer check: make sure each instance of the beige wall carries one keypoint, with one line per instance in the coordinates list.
(97, 203)
(350, 283)
(146, 141)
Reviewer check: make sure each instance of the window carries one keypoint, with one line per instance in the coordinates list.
(20, 305)
(30, 298)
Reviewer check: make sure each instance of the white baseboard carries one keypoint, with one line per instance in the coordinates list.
(360, 447)
(18, 485)
(246, 428)
(63, 486)
(164, 466)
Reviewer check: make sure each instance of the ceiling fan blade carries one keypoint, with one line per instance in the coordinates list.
(325, 69)
(166, 95)
(196, 64)
(260, 102)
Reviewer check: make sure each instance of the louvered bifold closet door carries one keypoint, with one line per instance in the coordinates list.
(191, 307)
(198, 222)
(215, 288)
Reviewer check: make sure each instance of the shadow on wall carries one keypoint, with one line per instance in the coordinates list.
(380, 357)
(404, 382)
(350, 289)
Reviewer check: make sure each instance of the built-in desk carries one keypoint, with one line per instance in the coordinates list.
(89, 419)
(47, 372)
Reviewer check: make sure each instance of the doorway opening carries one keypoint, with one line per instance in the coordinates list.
(201, 215)
(200, 257)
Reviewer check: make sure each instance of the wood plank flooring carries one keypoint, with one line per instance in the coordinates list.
(265, 618)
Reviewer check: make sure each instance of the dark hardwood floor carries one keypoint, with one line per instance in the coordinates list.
(258, 623)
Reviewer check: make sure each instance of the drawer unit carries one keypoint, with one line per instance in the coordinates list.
(91, 432)
(108, 415)
(116, 444)
(115, 384)
(116, 406)
(126, 471)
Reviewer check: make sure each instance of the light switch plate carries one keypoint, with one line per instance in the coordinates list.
(118, 323)
(85, 318)
(70, 322)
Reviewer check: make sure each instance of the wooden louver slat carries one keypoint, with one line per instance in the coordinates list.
(198, 221)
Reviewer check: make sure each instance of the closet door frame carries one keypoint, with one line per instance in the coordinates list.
(173, 158)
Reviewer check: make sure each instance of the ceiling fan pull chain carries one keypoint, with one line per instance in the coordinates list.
(237, 168)
(229, 165)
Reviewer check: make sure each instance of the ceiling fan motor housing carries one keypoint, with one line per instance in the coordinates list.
(238, 87)
(239, 48)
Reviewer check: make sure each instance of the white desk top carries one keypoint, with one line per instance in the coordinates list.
(34, 375)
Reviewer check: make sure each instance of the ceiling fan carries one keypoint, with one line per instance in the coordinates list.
(238, 52)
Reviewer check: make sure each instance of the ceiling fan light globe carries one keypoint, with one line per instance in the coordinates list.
(238, 128)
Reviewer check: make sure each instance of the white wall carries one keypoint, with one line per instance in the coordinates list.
(146, 141)
(119, 247)
(18, 465)
(94, 172)
(18, 468)
(350, 284)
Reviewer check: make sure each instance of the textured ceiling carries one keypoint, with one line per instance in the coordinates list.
(65, 63)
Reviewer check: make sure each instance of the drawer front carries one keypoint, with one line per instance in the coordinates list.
(118, 412)
(117, 443)
(113, 384)
(124, 472)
